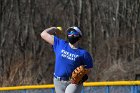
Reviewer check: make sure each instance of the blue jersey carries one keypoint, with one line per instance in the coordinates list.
(67, 58)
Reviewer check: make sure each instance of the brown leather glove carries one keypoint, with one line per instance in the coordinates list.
(78, 74)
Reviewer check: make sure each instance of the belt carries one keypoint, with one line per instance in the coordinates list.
(62, 78)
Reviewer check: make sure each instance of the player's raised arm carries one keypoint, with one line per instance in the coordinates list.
(48, 34)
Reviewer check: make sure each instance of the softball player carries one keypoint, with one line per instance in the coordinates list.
(68, 57)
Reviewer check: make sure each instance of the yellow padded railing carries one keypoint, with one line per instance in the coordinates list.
(112, 83)
(86, 84)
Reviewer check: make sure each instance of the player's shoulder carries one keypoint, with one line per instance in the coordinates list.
(86, 55)
(60, 39)
(83, 51)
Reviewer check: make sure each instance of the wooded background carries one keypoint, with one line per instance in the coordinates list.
(111, 35)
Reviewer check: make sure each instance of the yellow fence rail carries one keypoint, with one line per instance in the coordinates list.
(86, 84)
(113, 83)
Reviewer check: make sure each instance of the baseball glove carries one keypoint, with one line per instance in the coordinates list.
(79, 74)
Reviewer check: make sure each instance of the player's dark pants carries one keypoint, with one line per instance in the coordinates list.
(62, 86)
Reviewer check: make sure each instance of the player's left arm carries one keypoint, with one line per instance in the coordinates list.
(88, 62)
